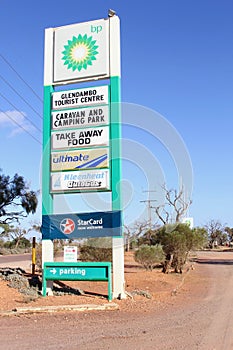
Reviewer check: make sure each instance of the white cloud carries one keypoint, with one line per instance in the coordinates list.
(16, 122)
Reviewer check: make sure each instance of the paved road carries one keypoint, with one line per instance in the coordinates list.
(18, 260)
(200, 317)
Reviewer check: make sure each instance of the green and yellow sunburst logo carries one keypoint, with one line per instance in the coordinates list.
(80, 52)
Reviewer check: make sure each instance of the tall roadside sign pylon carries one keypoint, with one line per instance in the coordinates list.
(115, 84)
(83, 52)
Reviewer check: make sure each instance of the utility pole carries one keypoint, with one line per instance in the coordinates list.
(149, 206)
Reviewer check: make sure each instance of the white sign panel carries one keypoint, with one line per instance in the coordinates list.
(80, 138)
(72, 181)
(81, 51)
(70, 254)
(81, 117)
(80, 97)
(80, 159)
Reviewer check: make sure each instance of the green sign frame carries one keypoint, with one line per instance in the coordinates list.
(80, 271)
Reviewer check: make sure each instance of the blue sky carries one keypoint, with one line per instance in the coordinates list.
(177, 60)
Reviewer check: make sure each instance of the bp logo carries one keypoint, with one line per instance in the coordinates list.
(67, 226)
(80, 52)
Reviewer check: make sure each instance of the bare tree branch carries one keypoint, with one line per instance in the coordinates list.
(134, 231)
(176, 204)
(161, 213)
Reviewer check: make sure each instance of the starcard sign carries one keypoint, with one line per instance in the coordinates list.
(80, 138)
(80, 97)
(81, 51)
(96, 224)
(80, 117)
(85, 159)
(72, 181)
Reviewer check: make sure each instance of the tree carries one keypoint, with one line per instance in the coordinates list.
(134, 232)
(216, 233)
(16, 199)
(23, 243)
(178, 240)
(15, 234)
(229, 231)
(174, 207)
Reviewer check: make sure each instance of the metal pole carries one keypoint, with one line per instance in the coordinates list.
(33, 255)
(149, 207)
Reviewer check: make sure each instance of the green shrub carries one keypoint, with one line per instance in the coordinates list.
(96, 249)
(149, 256)
(178, 240)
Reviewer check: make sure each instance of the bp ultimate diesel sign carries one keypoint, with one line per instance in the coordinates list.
(80, 159)
(67, 226)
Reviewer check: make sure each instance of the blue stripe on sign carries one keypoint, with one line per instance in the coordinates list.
(94, 162)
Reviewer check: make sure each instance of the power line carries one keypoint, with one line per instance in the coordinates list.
(20, 95)
(8, 63)
(20, 126)
(20, 112)
(38, 97)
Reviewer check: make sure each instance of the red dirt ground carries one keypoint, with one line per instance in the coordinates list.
(160, 286)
